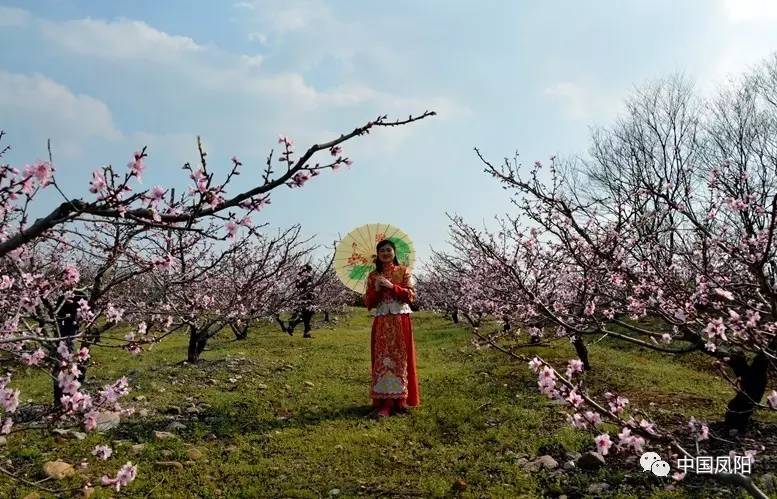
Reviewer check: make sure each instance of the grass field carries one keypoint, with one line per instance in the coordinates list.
(280, 416)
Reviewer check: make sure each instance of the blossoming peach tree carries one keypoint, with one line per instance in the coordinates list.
(206, 289)
(101, 265)
(331, 297)
(672, 219)
(310, 288)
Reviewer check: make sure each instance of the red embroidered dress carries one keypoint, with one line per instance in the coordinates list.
(393, 348)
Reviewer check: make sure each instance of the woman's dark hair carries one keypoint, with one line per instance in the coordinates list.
(384, 242)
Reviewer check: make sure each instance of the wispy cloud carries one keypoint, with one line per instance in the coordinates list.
(230, 98)
(258, 37)
(283, 16)
(746, 11)
(743, 36)
(582, 103)
(52, 110)
(11, 16)
(241, 72)
(571, 97)
(122, 39)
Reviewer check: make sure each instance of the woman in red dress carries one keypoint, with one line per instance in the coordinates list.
(390, 290)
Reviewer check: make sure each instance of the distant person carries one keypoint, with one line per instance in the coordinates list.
(390, 291)
(67, 316)
(305, 311)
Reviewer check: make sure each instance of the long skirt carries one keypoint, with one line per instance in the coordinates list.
(394, 374)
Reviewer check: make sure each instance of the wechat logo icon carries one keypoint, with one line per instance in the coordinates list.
(650, 461)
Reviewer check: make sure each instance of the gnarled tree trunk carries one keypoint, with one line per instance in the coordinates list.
(582, 351)
(241, 332)
(197, 341)
(752, 385)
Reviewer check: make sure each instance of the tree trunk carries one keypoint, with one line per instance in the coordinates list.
(241, 333)
(68, 327)
(326, 315)
(472, 322)
(752, 385)
(56, 389)
(283, 325)
(455, 316)
(582, 351)
(82, 377)
(197, 342)
(307, 317)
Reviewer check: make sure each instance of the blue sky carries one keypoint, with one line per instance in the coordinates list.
(102, 79)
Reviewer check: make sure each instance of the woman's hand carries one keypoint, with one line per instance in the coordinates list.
(382, 281)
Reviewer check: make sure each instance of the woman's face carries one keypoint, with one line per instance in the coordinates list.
(386, 254)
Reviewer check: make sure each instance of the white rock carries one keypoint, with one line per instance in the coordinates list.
(164, 435)
(547, 462)
(107, 420)
(70, 433)
(598, 488)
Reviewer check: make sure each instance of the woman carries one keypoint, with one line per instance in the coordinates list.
(390, 291)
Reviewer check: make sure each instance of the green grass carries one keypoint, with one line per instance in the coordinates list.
(479, 412)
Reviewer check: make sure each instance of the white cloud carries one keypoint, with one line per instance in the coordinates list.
(354, 94)
(122, 39)
(731, 62)
(213, 70)
(574, 100)
(257, 37)
(284, 16)
(580, 102)
(176, 57)
(291, 88)
(11, 16)
(317, 39)
(183, 88)
(741, 36)
(51, 110)
(745, 11)
(181, 146)
(309, 32)
(251, 61)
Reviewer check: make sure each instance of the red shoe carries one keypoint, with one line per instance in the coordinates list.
(385, 409)
(400, 407)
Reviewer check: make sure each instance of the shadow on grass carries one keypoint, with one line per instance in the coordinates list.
(237, 419)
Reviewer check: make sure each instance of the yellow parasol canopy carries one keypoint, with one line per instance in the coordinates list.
(355, 253)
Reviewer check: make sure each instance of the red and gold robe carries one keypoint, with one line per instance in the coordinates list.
(394, 374)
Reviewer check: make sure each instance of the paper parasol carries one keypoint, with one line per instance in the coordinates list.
(355, 253)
